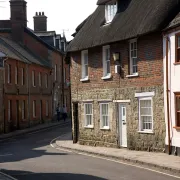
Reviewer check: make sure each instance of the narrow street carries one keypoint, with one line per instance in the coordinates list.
(32, 157)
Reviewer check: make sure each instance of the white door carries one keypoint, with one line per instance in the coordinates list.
(122, 125)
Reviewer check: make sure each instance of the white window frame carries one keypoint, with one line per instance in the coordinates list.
(16, 75)
(46, 80)
(55, 72)
(106, 61)
(84, 65)
(101, 116)
(140, 115)
(47, 108)
(110, 11)
(40, 79)
(133, 56)
(23, 109)
(34, 109)
(9, 110)
(22, 75)
(9, 73)
(85, 116)
(33, 78)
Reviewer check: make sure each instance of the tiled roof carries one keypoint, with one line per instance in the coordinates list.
(134, 18)
(16, 51)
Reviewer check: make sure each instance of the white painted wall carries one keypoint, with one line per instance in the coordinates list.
(174, 86)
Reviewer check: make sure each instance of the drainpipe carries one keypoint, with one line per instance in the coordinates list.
(167, 94)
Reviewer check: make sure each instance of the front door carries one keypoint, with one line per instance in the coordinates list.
(122, 125)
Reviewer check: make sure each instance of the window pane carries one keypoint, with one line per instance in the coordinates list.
(178, 43)
(178, 103)
(85, 58)
(178, 55)
(85, 70)
(108, 67)
(178, 119)
(146, 122)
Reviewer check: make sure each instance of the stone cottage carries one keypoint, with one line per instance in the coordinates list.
(117, 74)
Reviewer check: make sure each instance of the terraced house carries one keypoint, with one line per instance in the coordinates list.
(31, 73)
(117, 81)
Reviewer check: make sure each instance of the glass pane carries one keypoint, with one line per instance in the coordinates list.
(178, 120)
(135, 45)
(104, 109)
(132, 47)
(178, 103)
(178, 55)
(108, 67)
(86, 70)
(146, 122)
(178, 44)
(85, 59)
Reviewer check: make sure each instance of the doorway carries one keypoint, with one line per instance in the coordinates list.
(76, 122)
(122, 125)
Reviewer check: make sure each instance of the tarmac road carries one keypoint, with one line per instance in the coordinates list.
(31, 157)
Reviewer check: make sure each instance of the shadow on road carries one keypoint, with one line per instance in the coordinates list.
(25, 175)
(30, 146)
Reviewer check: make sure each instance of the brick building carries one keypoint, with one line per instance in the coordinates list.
(117, 75)
(33, 72)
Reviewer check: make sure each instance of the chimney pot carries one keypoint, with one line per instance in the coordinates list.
(43, 13)
(36, 13)
(40, 13)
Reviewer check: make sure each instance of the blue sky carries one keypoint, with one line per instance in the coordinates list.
(62, 14)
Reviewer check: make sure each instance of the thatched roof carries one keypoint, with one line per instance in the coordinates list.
(134, 18)
(101, 2)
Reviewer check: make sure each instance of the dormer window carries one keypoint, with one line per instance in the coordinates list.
(110, 11)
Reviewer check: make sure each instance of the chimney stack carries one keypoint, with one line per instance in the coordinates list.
(18, 19)
(40, 22)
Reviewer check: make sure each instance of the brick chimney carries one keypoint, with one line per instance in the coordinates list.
(18, 19)
(40, 22)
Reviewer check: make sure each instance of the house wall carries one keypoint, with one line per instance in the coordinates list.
(150, 79)
(18, 93)
(54, 58)
(174, 86)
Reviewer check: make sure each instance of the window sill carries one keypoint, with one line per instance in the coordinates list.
(132, 75)
(105, 128)
(84, 79)
(176, 127)
(146, 132)
(177, 63)
(89, 127)
(107, 77)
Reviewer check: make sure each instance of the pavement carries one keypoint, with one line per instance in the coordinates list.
(40, 127)
(36, 156)
(160, 161)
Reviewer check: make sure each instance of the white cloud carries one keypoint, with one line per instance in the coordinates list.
(62, 14)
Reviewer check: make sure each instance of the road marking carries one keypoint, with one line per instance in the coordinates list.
(10, 177)
(94, 156)
(1, 155)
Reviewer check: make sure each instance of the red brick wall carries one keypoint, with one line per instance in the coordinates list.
(36, 93)
(150, 66)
